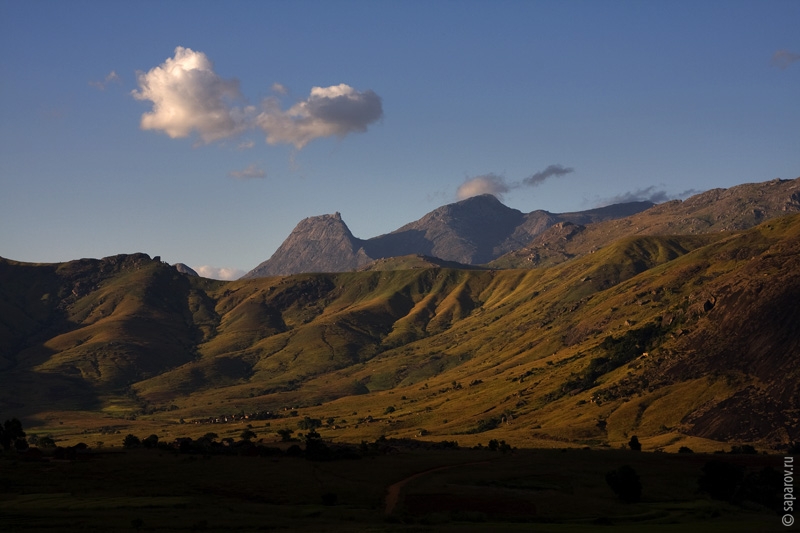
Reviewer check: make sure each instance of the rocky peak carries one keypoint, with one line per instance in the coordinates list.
(321, 243)
(185, 269)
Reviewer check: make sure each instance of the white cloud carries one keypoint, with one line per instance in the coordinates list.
(329, 111)
(251, 172)
(187, 96)
(111, 77)
(486, 184)
(227, 274)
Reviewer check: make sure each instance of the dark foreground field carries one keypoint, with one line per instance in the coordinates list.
(403, 490)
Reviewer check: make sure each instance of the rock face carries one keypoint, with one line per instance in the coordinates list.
(185, 269)
(472, 231)
(467, 232)
(317, 244)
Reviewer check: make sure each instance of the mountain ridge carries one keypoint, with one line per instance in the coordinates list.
(472, 231)
(675, 338)
(482, 231)
(681, 339)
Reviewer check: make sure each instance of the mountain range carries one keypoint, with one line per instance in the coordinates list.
(472, 231)
(482, 231)
(677, 323)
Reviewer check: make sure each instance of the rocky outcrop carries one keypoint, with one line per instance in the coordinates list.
(185, 269)
(468, 232)
(317, 244)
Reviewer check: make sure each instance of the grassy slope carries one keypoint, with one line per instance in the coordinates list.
(445, 349)
(718, 210)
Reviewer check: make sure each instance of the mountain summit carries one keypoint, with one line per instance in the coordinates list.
(317, 244)
(472, 231)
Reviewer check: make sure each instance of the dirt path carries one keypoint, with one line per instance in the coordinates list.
(393, 492)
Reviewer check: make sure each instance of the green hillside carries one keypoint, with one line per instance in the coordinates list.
(680, 340)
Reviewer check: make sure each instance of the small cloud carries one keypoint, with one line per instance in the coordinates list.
(784, 58)
(551, 171)
(337, 110)
(251, 172)
(226, 274)
(647, 194)
(279, 88)
(485, 184)
(498, 186)
(246, 145)
(112, 77)
(187, 95)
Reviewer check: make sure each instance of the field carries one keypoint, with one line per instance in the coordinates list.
(396, 489)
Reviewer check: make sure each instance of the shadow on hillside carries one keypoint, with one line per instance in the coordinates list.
(25, 392)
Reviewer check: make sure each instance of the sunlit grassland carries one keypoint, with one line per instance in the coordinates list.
(445, 349)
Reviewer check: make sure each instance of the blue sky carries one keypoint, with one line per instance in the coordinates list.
(203, 132)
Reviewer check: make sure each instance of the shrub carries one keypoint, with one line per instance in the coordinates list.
(247, 434)
(764, 487)
(12, 435)
(309, 423)
(721, 480)
(486, 424)
(131, 441)
(286, 434)
(745, 449)
(624, 481)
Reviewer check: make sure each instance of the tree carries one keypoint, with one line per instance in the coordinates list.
(131, 441)
(634, 444)
(247, 434)
(721, 480)
(316, 449)
(286, 434)
(309, 423)
(11, 432)
(624, 481)
(150, 442)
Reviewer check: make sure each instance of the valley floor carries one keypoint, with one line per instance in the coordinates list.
(403, 490)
